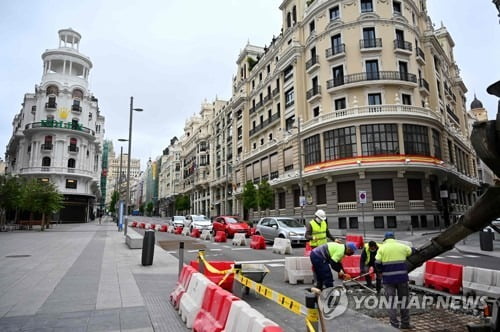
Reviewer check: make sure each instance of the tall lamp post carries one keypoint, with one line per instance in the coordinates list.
(302, 199)
(132, 109)
(119, 181)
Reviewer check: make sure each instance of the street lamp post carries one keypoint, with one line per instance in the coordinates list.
(301, 181)
(132, 109)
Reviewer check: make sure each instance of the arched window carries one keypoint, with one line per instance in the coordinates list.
(71, 163)
(46, 161)
(288, 20)
(52, 90)
(294, 14)
(77, 93)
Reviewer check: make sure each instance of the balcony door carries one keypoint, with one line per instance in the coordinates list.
(338, 75)
(372, 72)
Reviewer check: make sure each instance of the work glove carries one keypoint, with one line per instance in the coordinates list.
(347, 277)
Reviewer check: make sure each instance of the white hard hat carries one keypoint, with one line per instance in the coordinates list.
(320, 214)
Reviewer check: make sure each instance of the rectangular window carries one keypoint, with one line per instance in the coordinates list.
(296, 198)
(416, 139)
(316, 111)
(375, 99)
(288, 159)
(396, 7)
(288, 73)
(369, 39)
(289, 98)
(379, 139)
(403, 71)
(337, 46)
(342, 223)
(281, 200)
(378, 222)
(340, 104)
(372, 72)
(423, 221)
(289, 122)
(450, 152)
(366, 6)
(406, 99)
(334, 13)
(391, 222)
(312, 26)
(414, 222)
(321, 194)
(382, 190)
(415, 190)
(71, 184)
(436, 142)
(353, 222)
(312, 152)
(338, 75)
(340, 143)
(346, 191)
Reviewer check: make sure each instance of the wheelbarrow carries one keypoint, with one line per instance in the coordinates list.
(254, 272)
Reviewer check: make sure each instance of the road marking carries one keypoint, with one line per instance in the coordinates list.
(471, 256)
(453, 256)
(275, 265)
(227, 247)
(242, 248)
(438, 257)
(193, 250)
(171, 252)
(215, 249)
(264, 261)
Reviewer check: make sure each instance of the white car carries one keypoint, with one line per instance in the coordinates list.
(178, 221)
(198, 221)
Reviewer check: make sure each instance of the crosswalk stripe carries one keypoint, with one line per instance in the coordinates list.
(471, 256)
(453, 256)
(242, 248)
(215, 249)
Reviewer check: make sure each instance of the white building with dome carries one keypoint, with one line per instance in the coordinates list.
(58, 133)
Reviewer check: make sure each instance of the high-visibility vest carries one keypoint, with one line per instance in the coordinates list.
(318, 233)
(392, 256)
(336, 251)
(368, 252)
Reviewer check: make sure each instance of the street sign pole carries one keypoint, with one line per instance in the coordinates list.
(362, 201)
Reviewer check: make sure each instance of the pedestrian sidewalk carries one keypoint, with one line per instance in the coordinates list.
(82, 277)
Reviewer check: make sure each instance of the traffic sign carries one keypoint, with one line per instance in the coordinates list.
(362, 197)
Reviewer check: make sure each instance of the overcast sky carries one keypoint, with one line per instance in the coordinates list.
(172, 55)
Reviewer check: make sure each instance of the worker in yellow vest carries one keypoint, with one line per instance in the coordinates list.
(366, 261)
(317, 231)
(330, 254)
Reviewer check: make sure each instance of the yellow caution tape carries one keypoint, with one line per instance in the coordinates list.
(309, 326)
(210, 268)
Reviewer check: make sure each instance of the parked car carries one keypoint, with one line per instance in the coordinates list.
(284, 227)
(198, 221)
(178, 221)
(230, 225)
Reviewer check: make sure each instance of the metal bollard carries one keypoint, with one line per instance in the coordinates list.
(312, 310)
(126, 225)
(181, 257)
(148, 247)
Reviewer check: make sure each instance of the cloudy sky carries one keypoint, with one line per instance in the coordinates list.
(172, 55)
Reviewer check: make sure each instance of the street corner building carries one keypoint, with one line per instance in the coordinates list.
(352, 99)
(58, 134)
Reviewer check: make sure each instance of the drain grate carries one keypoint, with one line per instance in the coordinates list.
(17, 256)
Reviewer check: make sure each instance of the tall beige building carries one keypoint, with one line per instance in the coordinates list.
(353, 97)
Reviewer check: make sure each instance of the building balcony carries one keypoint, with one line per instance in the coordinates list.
(335, 52)
(347, 206)
(416, 204)
(371, 76)
(47, 146)
(76, 109)
(423, 86)
(57, 170)
(384, 205)
(52, 124)
(402, 46)
(372, 111)
(264, 124)
(313, 94)
(50, 106)
(312, 63)
(420, 55)
(259, 105)
(74, 149)
(368, 45)
(267, 99)
(276, 92)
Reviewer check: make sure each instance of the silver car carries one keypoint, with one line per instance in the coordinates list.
(178, 221)
(198, 221)
(285, 227)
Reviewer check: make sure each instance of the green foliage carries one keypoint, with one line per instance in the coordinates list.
(141, 209)
(251, 63)
(265, 195)
(10, 195)
(250, 196)
(149, 208)
(114, 198)
(40, 197)
(182, 203)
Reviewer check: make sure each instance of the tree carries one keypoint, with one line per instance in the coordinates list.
(114, 198)
(249, 198)
(182, 203)
(40, 197)
(141, 209)
(149, 208)
(265, 196)
(10, 195)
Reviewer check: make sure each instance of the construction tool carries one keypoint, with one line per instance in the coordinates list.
(317, 292)
(359, 283)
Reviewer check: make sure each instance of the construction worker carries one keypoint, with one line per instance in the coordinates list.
(317, 230)
(330, 254)
(367, 260)
(391, 261)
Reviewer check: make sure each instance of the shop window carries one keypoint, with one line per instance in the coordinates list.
(378, 222)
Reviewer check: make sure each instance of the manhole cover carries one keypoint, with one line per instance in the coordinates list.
(17, 256)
